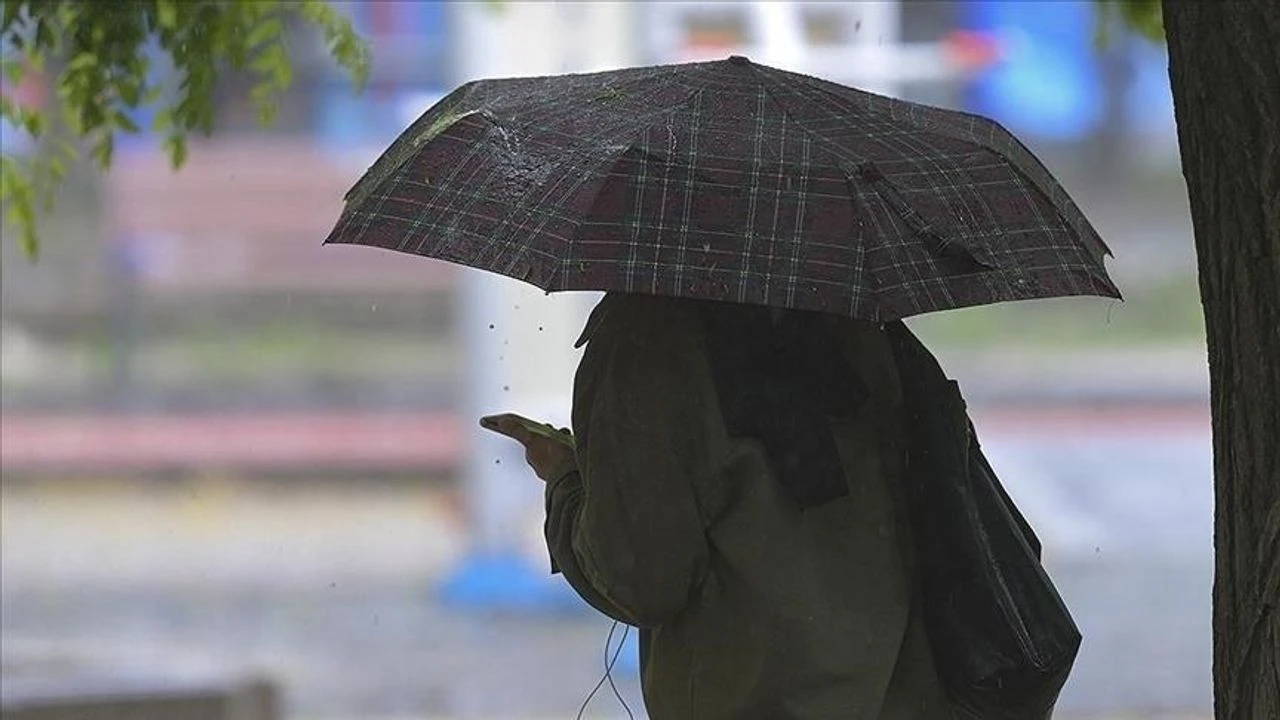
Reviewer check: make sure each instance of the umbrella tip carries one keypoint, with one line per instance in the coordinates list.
(739, 60)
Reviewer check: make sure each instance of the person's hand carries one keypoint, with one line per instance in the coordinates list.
(549, 458)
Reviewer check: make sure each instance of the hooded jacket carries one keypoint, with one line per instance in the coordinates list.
(749, 604)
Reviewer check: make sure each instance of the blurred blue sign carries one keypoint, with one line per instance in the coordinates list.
(424, 20)
(1149, 101)
(1048, 83)
(411, 52)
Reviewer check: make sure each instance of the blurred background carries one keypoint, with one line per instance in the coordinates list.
(238, 463)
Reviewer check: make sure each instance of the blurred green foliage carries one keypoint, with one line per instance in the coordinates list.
(95, 52)
(1142, 16)
(1159, 312)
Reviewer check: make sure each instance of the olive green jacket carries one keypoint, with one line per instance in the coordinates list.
(748, 606)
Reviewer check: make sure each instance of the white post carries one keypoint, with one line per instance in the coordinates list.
(879, 32)
(517, 340)
(778, 30)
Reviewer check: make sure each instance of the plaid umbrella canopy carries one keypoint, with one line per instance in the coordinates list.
(730, 181)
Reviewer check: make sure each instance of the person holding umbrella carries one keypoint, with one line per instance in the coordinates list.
(768, 474)
(732, 495)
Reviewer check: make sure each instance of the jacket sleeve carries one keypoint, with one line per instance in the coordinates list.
(624, 528)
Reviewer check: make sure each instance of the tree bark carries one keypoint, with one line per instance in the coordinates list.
(1224, 63)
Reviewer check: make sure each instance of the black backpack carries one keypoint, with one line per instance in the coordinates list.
(1003, 640)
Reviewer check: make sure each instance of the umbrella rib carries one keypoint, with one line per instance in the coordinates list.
(398, 153)
(1083, 229)
(1003, 144)
(843, 153)
(845, 158)
(568, 184)
(595, 181)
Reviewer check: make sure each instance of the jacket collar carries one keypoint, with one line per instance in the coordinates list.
(593, 321)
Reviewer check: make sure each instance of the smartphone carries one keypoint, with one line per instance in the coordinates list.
(494, 424)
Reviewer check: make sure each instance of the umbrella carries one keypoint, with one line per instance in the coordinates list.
(730, 181)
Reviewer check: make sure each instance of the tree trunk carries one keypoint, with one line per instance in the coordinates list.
(1224, 63)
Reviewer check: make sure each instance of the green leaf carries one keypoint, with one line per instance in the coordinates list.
(282, 75)
(101, 63)
(11, 12)
(163, 121)
(30, 241)
(262, 92)
(608, 93)
(266, 31)
(1144, 17)
(176, 147)
(36, 59)
(18, 196)
(91, 118)
(32, 121)
(82, 62)
(57, 168)
(13, 71)
(268, 112)
(269, 60)
(44, 34)
(124, 122)
(103, 149)
(70, 153)
(167, 14)
(130, 93)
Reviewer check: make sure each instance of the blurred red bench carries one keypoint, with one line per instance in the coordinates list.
(248, 214)
(382, 441)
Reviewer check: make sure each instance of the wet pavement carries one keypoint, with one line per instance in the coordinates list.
(331, 592)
